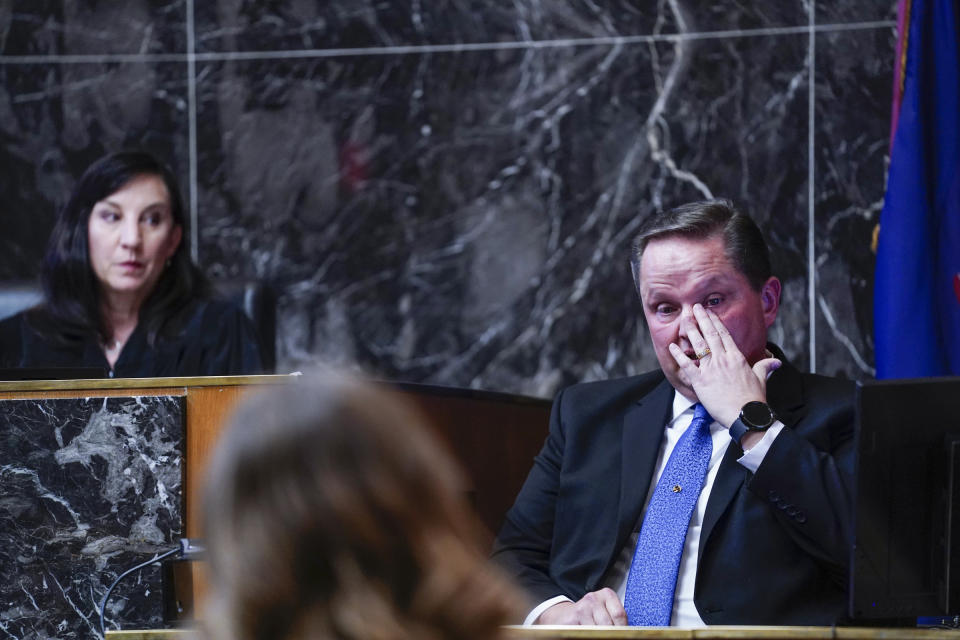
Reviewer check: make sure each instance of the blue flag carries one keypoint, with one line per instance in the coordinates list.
(917, 286)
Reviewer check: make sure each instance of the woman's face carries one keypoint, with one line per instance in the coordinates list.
(131, 235)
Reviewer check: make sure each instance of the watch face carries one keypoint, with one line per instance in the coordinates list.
(757, 415)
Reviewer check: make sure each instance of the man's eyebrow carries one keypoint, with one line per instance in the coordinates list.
(710, 284)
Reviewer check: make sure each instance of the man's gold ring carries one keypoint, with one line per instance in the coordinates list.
(703, 354)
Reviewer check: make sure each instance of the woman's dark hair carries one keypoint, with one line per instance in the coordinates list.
(331, 512)
(71, 309)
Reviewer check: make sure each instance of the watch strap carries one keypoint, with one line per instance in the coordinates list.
(738, 430)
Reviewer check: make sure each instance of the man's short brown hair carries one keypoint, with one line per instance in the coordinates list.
(742, 240)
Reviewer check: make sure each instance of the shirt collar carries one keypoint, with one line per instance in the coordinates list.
(680, 405)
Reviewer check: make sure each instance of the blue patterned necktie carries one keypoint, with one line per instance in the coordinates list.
(653, 575)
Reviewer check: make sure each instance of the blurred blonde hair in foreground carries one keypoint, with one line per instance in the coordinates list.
(330, 512)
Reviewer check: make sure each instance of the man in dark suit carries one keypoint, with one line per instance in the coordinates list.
(768, 539)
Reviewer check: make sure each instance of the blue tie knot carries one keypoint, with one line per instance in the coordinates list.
(700, 413)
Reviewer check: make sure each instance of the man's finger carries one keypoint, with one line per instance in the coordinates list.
(616, 611)
(685, 363)
(765, 367)
(584, 614)
(592, 609)
(609, 608)
(694, 335)
(601, 616)
(707, 328)
(725, 337)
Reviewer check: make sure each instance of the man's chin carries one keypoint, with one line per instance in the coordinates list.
(679, 382)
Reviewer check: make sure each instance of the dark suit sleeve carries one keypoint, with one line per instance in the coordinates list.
(806, 478)
(523, 546)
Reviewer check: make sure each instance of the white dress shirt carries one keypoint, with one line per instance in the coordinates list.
(685, 613)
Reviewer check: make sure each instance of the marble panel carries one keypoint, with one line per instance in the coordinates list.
(853, 93)
(88, 488)
(831, 12)
(54, 27)
(56, 119)
(465, 218)
(238, 25)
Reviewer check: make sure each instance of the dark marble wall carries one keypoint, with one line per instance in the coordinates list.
(89, 487)
(445, 191)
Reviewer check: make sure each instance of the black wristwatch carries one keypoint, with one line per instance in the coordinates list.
(754, 416)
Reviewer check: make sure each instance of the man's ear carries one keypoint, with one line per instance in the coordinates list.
(770, 299)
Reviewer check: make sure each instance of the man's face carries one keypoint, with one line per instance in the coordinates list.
(678, 272)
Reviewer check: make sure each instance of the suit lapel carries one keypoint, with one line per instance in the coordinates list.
(643, 426)
(785, 396)
(730, 477)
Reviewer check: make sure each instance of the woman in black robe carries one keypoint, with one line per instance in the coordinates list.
(120, 291)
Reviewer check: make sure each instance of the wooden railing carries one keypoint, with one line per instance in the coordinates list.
(494, 436)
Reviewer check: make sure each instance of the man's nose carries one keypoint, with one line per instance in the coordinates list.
(687, 320)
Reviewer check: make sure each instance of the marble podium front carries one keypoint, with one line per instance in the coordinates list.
(89, 486)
